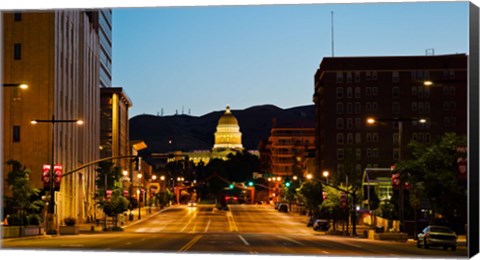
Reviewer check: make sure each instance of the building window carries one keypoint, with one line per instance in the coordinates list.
(421, 109)
(396, 138)
(349, 77)
(446, 106)
(375, 152)
(358, 154)
(427, 92)
(374, 91)
(339, 92)
(414, 90)
(374, 75)
(340, 169)
(339, 108)
(349, 123)
(369, 152)
(396, 107)
(427, 107)
(420, 75)
(368, 75)
(368, 91)
(358, 138)
(340, 154)
(414, 106)
(427, 138)
(375, 137)
(445, 90)
(349, 108)
(349, 92)
(374, 107)
(357, 76)
(452, 90)
(358, 123)
(17, 17)
(395, 92)
(395, 77)
(16, 133)
(357, 92)
(414, 137)
(339, 77)
(369, 137)
(339, 138)
(349, 138)
(358, 108)
(17, 51)
(368, 107)
(339, 123)
(451, 74)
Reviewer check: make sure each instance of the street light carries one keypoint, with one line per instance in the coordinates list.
(326, 174)
(309, 176)
(400, 121)
(15, 85)
(51, 206)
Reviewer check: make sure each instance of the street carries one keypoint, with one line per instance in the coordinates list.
(244, 229)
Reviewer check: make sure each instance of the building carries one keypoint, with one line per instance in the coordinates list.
(114, 126)
(348, 90)
(105, 54)
(289, 146)
(56, 54)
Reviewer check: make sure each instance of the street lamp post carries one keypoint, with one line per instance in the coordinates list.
(15, 85)
(400, 121)
(51, 206)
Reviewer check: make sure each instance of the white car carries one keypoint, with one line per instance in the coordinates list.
(437, 236)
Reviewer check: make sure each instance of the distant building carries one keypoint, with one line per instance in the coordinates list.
(348, 90)
(287, 149)
(105, 39)
(56, 53)
(114, 126)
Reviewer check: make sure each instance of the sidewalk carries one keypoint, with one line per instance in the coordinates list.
(123, 221)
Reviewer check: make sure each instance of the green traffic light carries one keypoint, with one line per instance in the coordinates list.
(287, 184)
(250, 183)
(231, 186)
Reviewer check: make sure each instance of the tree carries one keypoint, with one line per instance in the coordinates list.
(117, 205)
(373, 203)
(312, 195)
(24, 202)
(435, 167)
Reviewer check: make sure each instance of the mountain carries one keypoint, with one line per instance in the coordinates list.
(188, 133)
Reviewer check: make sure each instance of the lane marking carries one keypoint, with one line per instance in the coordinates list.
(291, 240)
(208, 224)
(325, 252)
(231, 222)
(243, 240)
(190, 244)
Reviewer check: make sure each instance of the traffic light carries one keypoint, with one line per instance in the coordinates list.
(287, 184)
(231, 186)
(250, 183)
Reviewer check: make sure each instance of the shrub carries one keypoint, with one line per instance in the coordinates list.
(33, 220)
(69, 221)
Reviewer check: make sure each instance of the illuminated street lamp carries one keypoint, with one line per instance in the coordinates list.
(154, 177)
(326, 174)
(309, 176)
(15, 85)
(162, 178)
(51, 206)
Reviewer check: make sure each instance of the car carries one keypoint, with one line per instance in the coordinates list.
(283, 208)
(437, 236)
(192, 203)
(277, 204)
(321, 225)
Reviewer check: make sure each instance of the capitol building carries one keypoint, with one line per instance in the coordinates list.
(228, 139)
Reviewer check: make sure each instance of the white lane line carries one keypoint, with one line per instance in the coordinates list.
(243, 240)
(291, 240)
(208, 224)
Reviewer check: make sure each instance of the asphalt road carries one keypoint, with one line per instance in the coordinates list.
(244, 229)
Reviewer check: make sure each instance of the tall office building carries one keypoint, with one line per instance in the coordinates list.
(56, 54)
(348, 90)
(105, 54)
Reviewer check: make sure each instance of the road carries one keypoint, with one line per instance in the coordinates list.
(244, 229)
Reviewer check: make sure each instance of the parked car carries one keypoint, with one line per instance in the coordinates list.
(321, 225)
(311, 220)
(192, 203)
(283, 208)
(437, 236)
(277, 204)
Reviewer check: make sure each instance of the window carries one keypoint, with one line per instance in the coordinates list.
(396, 107)
(349, 123)
(357, 76)
(358, 108)
(369, 137)
(349, 108)
(349, 92)
(375, 152)
(421, 91)
(349, 77)
(368, 107)
(427, 107)
(414, 106)
(446, 106)
(451, 74)
(340, 169)
(339, 138)
(427, 138)
(339, 108)
(395, 92)
(374, 91)
(374, 106)
(358, 123)
(414, 90)
(396, 138)
(17, 17)
(349, 138)
(339, 92)
(395, 77)
(421, 109)
(368, 91)
(358, 138)
(16, 133)
(368, 75)
(427, 92)
(375, 137)
(358, 153)
(452, 90)
(17, 51)
(357, 92)
(340, 154)
(374, 75)
(369, 152)
(339, 77)
(339, 123)
(420, 75)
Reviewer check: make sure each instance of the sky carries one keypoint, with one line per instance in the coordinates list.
(195, 60)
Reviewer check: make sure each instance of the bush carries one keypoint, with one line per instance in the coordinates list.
(33, 220)
(69, 221)
(15, 220)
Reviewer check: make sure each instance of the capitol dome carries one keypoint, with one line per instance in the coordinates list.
(228, 135)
